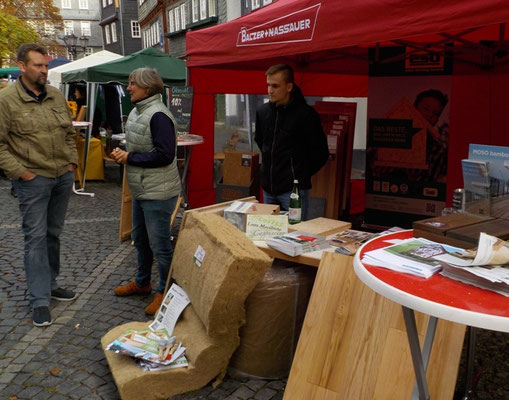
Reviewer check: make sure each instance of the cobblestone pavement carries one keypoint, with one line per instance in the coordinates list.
(65, 360)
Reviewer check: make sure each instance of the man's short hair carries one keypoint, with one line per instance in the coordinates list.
(434, 93)
(148, 78)
(26, 47)
(284, 68)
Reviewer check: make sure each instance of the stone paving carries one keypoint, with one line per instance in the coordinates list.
(65, 360)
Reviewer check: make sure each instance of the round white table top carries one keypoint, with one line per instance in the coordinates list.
(438, 296)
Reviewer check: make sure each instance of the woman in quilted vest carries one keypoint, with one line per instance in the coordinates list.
(153, 178)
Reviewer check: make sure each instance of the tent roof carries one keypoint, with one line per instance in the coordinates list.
(292, 27)
(7, 71)
(101, 57)
(171, 69)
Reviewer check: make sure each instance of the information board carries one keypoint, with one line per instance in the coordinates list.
(181, 104)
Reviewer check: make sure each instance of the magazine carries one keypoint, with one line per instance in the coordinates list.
(146, 344)
(155, 344)
(416, 256)
(489, 277)
(297, 243)
(349, 240)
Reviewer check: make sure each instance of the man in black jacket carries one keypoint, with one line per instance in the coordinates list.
(291, 139)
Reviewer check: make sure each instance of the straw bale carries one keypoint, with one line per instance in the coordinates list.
(230, 270)
(207, 359)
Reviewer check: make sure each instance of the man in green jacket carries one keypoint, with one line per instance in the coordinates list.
(38, 152)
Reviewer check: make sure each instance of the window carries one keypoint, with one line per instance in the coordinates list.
(177, 20)
(171, 20)
(66, 3)
(68, 27)
(183, 20)
(85, 28)
(49, 29)
(110, 2)
(255, 4)
(265, 2)
(135, 29)
(195, 10)
(104, 4)
(88, 51)
(83, 4)
(212, 8)
(203, 9)
(107, 34)
(113, 32)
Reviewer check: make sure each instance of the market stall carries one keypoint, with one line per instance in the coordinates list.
(328, 44)
(171, 69)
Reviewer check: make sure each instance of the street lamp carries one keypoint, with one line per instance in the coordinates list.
(71, 43)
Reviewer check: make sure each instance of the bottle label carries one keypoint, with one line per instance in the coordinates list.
(294, 196)
(294, 215)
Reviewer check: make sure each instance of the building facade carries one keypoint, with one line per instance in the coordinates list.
(119, 24)
(81, 19)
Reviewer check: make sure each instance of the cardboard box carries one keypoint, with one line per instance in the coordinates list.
(233, 192)
(237, 212)
(240, 167)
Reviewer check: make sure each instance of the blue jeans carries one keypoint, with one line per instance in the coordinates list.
(43, 204)
(284, 201)
(151, 236)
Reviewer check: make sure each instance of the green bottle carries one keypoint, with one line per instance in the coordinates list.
(295, 209)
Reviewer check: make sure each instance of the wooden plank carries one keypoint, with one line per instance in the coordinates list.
(126, 215)
(353, 343)
(321, 226)
(470, 233)
(440, 225)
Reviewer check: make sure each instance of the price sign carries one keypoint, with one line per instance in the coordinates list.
(181, 104)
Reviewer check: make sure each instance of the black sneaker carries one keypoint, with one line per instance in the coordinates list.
(61, 294)
(41, 316)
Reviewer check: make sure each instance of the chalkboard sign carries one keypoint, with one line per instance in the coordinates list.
(181, 104)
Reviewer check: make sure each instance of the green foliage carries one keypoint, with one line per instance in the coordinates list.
(14, 33)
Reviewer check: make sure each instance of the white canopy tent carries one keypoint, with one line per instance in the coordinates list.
(101, 57)
(55, 79)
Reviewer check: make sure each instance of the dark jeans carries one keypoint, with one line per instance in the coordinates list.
(284, 201)
(151, 236)
(43, 204)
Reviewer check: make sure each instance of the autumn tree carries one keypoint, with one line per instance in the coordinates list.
(14, 33)
(39, 16)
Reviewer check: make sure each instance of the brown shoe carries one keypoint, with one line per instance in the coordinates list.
(153, 307)
(132, 288)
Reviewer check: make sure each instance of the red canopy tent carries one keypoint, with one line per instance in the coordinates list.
(327, 43)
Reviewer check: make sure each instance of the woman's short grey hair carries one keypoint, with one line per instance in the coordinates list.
(148, 78)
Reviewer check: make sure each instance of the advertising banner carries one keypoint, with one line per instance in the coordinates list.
(408, 135)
